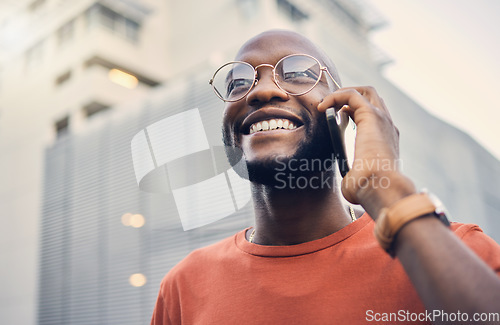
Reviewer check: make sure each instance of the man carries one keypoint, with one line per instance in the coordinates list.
(307, 261)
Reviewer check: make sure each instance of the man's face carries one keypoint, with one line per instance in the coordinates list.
(266, 102)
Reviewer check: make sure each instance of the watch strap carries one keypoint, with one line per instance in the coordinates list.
(393, 218)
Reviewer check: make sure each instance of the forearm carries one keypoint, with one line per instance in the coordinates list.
(445, 272)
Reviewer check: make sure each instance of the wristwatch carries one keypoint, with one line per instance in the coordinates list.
(393, 218)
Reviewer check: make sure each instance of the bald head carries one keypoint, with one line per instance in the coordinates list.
(285, 42)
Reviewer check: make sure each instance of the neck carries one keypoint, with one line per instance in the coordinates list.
(294, 216)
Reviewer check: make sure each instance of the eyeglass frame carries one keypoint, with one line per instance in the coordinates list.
(255, 80)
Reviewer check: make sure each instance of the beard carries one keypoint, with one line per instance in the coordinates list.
(312, 157)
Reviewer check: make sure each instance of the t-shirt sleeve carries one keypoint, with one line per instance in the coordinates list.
(160, 313)
(483, 245)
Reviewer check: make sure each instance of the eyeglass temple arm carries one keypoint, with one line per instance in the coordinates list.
(334, 81)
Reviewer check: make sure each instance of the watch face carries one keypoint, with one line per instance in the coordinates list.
(440, 211)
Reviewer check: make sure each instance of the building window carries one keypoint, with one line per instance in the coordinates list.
(93, 108)
(36, 5)
(109, 18)
(291, 11)
(115, 22)
(63, 78)
(61, 126)
(120, 74)
(131, 30)
(65, 33)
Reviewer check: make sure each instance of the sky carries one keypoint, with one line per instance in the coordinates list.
(446, 56)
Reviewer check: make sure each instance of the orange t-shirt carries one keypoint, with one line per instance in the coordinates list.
(344, 278)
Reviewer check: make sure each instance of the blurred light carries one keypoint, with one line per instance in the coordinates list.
(137, 221)
(126, 219)
(137, 280)
(122, 78)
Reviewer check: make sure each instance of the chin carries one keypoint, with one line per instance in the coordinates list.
(283, 172)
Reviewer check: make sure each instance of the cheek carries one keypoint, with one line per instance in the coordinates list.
(311, 101)
(230, 113)
(229, 117)
(227, 132)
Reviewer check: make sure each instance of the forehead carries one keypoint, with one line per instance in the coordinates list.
(269, 47)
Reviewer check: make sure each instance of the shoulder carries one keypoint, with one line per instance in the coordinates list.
(471, 233)
(192, 277)
(201, 259)
(209, 254)
(461, 229)
(483, 245)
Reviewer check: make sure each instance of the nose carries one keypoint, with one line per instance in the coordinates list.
(265, 89)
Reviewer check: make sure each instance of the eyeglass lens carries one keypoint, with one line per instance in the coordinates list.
(296, 74)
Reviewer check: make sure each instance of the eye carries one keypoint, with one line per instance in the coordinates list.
(301, 76)
(238, 85)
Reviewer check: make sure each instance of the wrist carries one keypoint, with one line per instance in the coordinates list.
(396, 217)
(385, 190)
(429, 221)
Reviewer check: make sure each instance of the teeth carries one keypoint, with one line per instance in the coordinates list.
(272, 124)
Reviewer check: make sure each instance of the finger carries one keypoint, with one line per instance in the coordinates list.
(353, 98)
(342, 97)
(373, 97)
(350, 102)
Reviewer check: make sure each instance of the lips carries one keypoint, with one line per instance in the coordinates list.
(269, 119)
(272, 124)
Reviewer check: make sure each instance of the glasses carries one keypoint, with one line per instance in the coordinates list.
(295, 74)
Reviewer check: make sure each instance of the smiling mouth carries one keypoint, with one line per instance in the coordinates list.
(272, 124)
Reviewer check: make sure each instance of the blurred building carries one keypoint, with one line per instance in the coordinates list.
(62, 64)
(78, 79)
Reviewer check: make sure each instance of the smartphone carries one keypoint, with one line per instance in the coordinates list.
(335, 120)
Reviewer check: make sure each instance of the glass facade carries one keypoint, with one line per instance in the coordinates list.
(100, 15)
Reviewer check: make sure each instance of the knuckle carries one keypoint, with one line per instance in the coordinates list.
(370, 89)
(351, 91)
